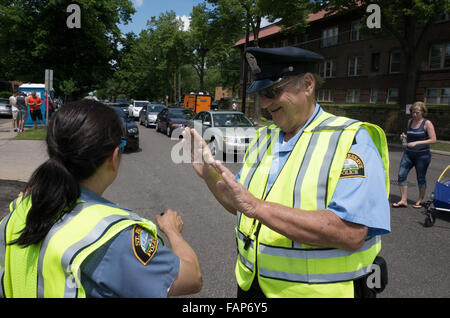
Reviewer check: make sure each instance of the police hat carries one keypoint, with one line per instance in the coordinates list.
(270, 65)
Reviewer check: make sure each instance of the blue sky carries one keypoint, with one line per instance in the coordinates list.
(145, 9)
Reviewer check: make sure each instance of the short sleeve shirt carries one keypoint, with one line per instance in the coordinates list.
(359, 198)
(117, 270)
(34, 102)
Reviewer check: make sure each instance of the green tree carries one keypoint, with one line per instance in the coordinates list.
(34, 36)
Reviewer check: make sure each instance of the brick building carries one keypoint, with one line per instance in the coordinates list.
(361, 68)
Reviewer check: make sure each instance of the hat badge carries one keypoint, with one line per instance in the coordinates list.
(253, 63)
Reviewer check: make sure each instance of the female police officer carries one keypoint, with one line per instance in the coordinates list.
(311, 198)
(62, 239)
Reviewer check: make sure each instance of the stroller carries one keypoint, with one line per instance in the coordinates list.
(440, 198)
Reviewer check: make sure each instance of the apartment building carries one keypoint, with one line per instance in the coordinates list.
(363, 68)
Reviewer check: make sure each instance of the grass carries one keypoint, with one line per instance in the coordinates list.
(33, 134)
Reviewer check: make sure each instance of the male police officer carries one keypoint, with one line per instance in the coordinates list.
(312, 197)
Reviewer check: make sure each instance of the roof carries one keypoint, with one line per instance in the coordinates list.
(275, 28)
(32, 85)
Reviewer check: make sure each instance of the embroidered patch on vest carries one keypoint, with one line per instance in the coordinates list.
(353, 166)
(144, 245)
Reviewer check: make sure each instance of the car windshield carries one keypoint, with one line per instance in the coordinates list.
(231, 120)
(4, 100)
(155, 108)
(181, 113)
(140, 104)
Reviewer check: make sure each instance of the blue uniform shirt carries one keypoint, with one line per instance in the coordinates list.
(115, 271)
(360, 200)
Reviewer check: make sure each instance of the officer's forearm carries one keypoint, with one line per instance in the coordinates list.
(317, 228)
(211, 182)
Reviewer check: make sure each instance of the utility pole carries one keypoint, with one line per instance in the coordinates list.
(244, 75)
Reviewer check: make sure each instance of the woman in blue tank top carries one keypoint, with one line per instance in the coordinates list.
(417, 154)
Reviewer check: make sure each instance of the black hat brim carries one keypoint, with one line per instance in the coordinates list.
(258, 85)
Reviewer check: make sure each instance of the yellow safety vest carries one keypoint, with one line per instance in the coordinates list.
(307, 181)
(52, 267)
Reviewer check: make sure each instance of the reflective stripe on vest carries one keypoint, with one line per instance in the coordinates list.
(309, 254)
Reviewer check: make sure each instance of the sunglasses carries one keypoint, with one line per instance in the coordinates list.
(122, 145)
(272, 92)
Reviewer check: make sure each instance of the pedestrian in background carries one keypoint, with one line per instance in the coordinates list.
(48, 102)
(23, 112)
(63, 239)
(419, 136)
(35, 102)
(15, 111)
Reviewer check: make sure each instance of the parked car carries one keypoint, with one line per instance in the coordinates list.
(172, 118)
(131, 129)
(135, 107)
(122, 106)
(148, 113)
(226, 132)
(5, 107)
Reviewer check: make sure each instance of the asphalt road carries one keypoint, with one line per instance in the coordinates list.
(149, 182)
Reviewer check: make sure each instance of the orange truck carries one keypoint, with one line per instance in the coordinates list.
(197, 102)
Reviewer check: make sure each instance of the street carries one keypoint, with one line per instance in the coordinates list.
(149, 183)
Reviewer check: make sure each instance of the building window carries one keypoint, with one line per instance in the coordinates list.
(327, 69)
(392, 97)
(373, 95)
(375, 63)
(439, 56)
(438, 96)
(394, 62)
(355, 33)
(325, 95)
(330, 36)
(354, 66)
(353, 95)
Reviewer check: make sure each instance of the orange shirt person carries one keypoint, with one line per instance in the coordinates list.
(35, 103)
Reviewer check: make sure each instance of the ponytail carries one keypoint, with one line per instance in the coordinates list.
(80, 137)
(54, 191)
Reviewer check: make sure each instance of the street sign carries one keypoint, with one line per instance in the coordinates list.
(48, 80)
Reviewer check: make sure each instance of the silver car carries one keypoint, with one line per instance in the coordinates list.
(5, 107)
(148, 114)
(228, 133)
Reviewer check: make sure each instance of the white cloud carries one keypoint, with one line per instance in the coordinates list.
(138, 3)
(186, 21)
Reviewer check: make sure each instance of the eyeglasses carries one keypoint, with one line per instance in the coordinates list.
(122, 145)
(272, 92)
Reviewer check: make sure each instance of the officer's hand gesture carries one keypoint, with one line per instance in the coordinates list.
(241, 199)
(201, 156)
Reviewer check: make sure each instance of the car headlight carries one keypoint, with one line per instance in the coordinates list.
(152, 117)
(133, 130)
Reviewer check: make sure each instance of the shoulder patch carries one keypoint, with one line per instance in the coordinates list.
(144, 245)
(353, 166)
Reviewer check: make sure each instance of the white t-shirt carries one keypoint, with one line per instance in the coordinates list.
(12, 100)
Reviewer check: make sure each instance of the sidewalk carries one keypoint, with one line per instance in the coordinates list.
(19, 158)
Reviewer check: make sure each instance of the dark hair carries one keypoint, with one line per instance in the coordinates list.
(80, 137)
